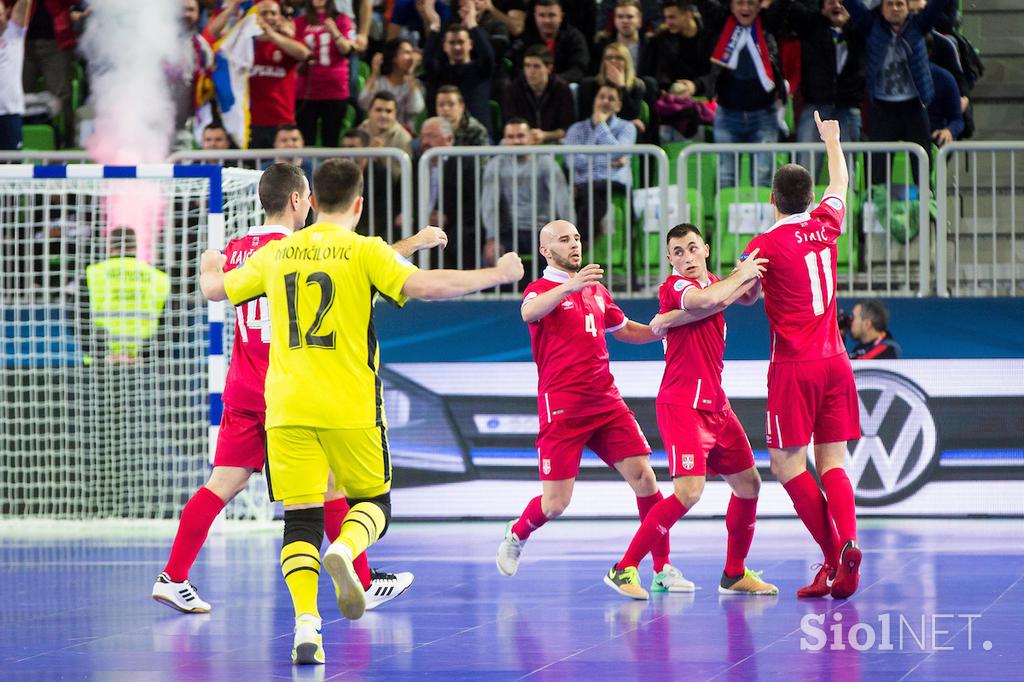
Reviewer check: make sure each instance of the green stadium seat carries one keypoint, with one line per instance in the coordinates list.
(741, 213)
(38, 137)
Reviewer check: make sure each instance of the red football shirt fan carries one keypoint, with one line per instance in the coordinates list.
(327, 75)
(271, 85)
(800, 283)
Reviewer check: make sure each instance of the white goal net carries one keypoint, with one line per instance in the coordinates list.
(105, 384)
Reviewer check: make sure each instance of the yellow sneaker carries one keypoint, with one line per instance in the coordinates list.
(626, 582)
(748, 583)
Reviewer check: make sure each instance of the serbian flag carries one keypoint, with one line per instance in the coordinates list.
(233, 60)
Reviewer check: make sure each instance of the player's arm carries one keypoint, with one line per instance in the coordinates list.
(211, 275)
(634, 332)
(20, 13)
(542, 304)
(427, 238)
(838, 174)
(723, 292)
(436, 285)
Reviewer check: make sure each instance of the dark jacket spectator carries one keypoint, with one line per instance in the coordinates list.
(944, 114)
(869, 327)
(566, 43)
(460, 56)
(472, 78)
(625, 26)
(680, 55)
(541, 98)
(821, 44)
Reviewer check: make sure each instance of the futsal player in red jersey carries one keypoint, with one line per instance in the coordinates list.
(241, 441)
(811, 391)
(701, 433)
(569, 312)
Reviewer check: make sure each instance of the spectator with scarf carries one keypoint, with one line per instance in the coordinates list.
(748, 80)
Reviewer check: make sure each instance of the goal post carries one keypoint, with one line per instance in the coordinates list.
(111, 362)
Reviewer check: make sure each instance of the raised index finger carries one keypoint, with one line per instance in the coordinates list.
(817, 117)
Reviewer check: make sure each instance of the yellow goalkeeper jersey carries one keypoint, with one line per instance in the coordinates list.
(324, 358)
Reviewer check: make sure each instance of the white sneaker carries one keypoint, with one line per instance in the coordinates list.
(182, 596)
(509, 551)
(351, 596)
(308, 646)
(386, 586)
(671, 579)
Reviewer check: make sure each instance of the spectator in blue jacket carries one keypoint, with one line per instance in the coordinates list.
(945, 118)
(900, 85)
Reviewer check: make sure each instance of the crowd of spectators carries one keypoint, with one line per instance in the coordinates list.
(321, 64)
(355, 73)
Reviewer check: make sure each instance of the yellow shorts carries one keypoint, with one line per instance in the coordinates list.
(299, 459)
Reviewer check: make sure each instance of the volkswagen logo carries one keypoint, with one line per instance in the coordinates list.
(897, 447)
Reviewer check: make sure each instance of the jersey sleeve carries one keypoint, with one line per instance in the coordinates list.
(757, 242)
(387, 270)
(246, 282)
(830, 213)
(677, 292)
(614, 318)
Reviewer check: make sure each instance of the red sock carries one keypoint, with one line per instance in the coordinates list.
(740, 517)
(334, 514)
(659, 552)
(811, 508)
(841, 505)
(196, 519)
(532, 519)
(654, 527)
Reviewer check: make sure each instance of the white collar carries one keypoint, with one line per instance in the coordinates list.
(794, 219)
(555, 275)
(268, 229)
(703, 283)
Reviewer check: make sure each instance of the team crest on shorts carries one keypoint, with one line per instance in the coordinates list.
(545, 466)
(686, 461)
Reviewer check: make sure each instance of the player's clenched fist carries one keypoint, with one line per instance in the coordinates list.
(431, 236)
(511, 267)
(212, 260)
(588, 275)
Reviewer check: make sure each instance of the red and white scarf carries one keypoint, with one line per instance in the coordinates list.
(735, 39)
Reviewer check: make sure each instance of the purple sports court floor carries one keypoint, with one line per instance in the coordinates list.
(939, 600)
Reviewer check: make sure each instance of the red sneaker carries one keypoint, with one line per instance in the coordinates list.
(820, 586)
(848, 574)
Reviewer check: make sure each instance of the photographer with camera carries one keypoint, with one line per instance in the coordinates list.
(869, 326)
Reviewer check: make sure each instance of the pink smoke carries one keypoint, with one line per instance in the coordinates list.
(129, 45)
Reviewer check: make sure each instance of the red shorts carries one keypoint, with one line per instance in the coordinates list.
(812, 398)
(242, 440)
(700, 443)
(613, 436)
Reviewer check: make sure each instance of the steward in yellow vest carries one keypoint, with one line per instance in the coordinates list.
(126, 298)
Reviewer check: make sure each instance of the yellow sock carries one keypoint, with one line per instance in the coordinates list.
(300, 565)
(362, 527)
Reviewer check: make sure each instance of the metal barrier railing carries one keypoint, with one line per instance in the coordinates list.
(976, 188)
(875, 252)
(978, 224)
(45, 157)
(502, 196)
(387, 176)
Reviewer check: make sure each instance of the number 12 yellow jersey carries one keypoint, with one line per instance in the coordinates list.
(321, 283)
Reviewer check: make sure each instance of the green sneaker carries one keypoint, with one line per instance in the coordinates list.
(626, 582)
(670, 579)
